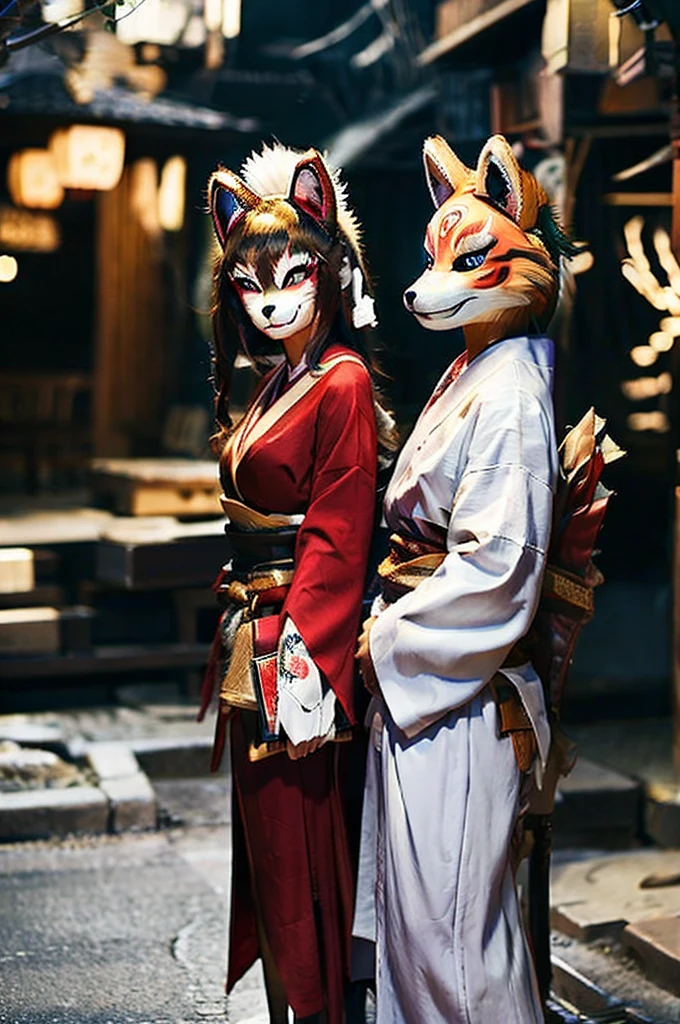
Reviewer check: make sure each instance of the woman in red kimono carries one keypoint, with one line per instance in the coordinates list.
(299, 477)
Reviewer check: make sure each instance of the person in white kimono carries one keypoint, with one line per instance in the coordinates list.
(470, 508)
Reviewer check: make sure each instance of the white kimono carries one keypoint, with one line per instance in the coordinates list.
(436, 889)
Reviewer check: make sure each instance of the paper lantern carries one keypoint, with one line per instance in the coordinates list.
(23, 230)
(32, 180)
(54, 11)
(9, 268)
(89, 156)
(153, 21)
(171, 194)
(231, 19)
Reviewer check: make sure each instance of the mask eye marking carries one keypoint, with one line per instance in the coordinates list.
(296, 275)
(471, 260)
(246, 284)
(428, 260)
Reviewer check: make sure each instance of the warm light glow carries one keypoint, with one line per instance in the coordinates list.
(27, 231)
(654, 421)
(171, 194)
(89, 156)
(32, 180)
(581, 262)
(671, 325)
(144, 193)
(54, 11)
(231, 19)
(151, 21)
(643, 355)
(212, 15)
(661, 341)
(637, 270)
(647, 387)
(9, 268)
(662, 244)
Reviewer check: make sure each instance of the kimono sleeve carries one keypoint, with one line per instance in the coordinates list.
(331, 554)
(435, 648)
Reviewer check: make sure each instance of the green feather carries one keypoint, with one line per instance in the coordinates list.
(553, 237)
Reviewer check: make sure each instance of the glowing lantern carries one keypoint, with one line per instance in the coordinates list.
(171, 194)
(54, 11)
(9, 268)
(89, 156)
(153, 21)
(31, 232)
(33, 181)
(644, 355)
(231, 19)
(144, 194)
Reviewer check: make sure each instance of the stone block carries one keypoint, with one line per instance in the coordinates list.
(111, 760)
(132, 801)
(662, 814)
(33, 734)
(596, 807)
(656, 943)
(596, 897)
(174, 757)
(41, 813)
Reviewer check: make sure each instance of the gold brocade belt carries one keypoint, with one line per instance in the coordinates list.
(261, 586)
(411, 561)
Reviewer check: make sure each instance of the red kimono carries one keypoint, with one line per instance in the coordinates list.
(317, 457)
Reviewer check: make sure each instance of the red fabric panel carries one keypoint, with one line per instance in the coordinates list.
(332, 546)
(289, 831)
(320, 459)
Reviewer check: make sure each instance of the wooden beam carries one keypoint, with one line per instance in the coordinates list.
(675, 243)
(470, 29)
(104, 660)
(638, 198)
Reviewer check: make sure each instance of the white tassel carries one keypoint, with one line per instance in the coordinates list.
(363, 311)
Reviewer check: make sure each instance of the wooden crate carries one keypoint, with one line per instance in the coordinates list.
(17, 574)
(155, 487)
(29, 631)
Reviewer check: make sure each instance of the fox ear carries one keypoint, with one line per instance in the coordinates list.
(512, 189)
(230, 198)
(444, 171)
(312, 190)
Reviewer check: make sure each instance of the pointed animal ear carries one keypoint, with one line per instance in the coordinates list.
(230, 198)
(512, 189)
(444, 171)
(312, 190)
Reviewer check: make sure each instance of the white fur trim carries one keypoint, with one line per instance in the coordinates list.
(270, 173)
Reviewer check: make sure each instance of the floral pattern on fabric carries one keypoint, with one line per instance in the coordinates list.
(306, 705)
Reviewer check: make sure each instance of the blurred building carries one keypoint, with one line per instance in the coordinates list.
(105, 281)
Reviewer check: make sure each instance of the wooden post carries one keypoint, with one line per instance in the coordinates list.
(675, 241)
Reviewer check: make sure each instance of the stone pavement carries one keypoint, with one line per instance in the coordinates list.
(616, 914)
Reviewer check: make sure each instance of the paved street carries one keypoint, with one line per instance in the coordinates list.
(131, 929)
(119, 930)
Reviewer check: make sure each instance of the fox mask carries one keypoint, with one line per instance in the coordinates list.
(272, 244)
(492, 247)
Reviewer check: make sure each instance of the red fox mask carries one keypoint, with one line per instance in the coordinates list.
(493, 247)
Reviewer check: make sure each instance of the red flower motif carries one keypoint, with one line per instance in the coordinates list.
(298, 667)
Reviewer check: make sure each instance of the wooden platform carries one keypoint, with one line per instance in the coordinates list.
(148, 487)
(114, 659)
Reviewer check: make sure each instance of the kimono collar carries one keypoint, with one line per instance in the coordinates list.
(536, 350)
